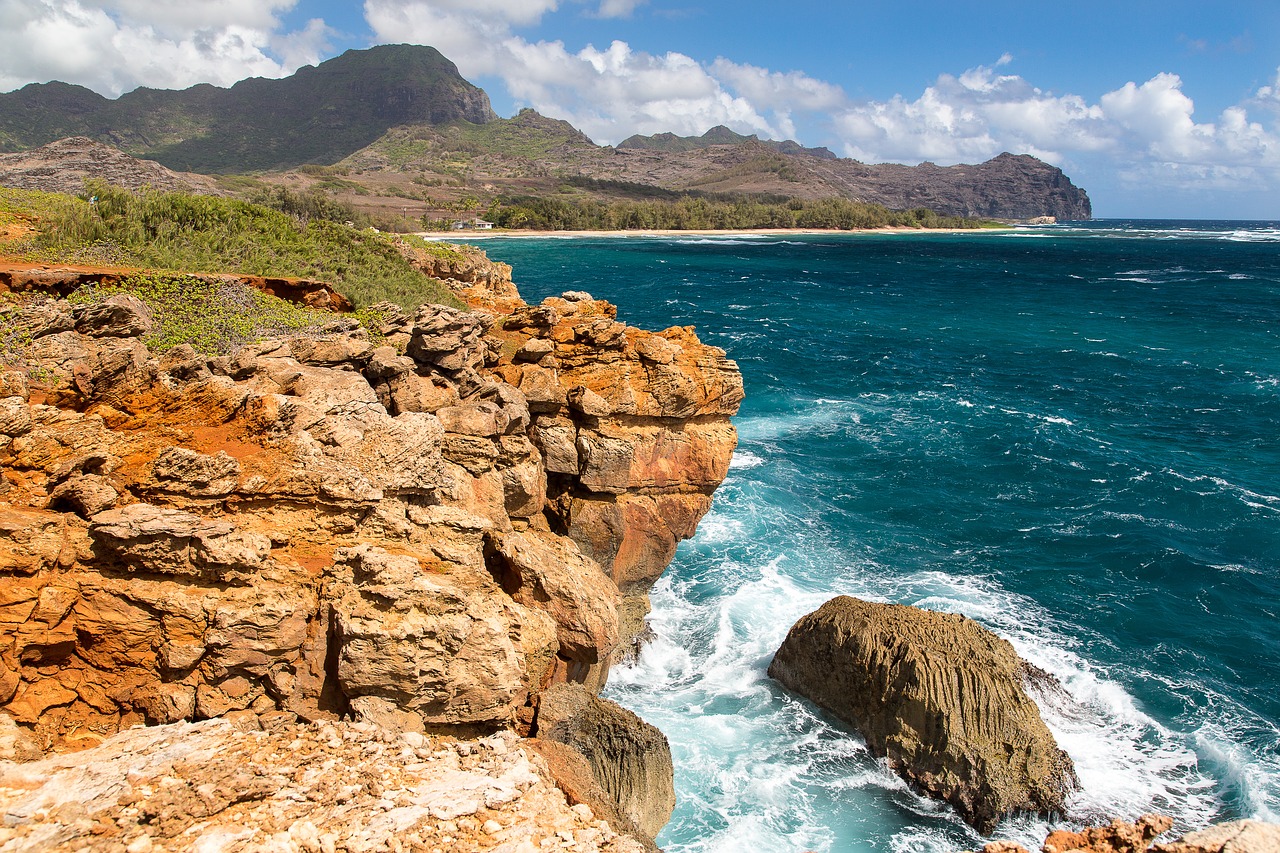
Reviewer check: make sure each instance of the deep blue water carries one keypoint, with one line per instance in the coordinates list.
(1071, 434)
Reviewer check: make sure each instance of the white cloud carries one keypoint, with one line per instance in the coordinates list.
(608, 93)
(116, 45)
(618, 8)
(1141, 132)
(971, 117)
(785, 91)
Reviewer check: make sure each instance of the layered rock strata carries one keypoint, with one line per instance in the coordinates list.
(423, 531)
(939, 696)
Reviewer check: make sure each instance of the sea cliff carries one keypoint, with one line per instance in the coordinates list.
(419, 527)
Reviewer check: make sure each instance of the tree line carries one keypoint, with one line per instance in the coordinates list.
(697, 213)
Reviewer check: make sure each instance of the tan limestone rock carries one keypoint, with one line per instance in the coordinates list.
(449, 650)
(1240, 836)
(629, 758)
(941, 697)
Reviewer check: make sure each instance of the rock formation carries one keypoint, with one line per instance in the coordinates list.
(421, 531)
(65, 279)
(329, 786)
(1241, 836)
(629, 758)
(941, 697)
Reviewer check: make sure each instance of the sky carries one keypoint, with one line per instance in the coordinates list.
(1159, 109)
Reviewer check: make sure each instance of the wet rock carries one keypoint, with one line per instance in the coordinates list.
(1118, 837)
(941, 697)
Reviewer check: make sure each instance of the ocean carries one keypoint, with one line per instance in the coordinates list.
(1069, 433)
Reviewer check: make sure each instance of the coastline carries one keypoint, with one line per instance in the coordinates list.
(698, 232)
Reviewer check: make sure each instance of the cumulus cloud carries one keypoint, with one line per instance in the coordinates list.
(1142, 131)
(608, 93)
(618, 8)
(116, 45)
(973, 116)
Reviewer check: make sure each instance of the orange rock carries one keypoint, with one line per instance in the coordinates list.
(179, 532)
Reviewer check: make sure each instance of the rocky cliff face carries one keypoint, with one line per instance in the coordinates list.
(941, 697)
(1240, 836)
(1005, 187)
(422, 533)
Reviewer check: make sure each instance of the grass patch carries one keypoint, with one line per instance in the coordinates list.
(180, 232)
(445, 251)
(215, 317)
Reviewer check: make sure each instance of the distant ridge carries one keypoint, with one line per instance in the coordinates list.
(319, 115)
(718, 135)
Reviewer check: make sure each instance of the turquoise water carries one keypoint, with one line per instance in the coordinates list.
(1071, 434)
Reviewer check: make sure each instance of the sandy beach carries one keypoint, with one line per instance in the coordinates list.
(708, 232)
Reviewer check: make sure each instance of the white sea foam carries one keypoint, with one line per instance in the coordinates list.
(754, 763)
(744, 460)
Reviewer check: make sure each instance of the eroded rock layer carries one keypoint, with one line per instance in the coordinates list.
(420, 530)
(937, 694)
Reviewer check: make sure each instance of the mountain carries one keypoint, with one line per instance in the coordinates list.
(319, 115)
(63, 166)
(396, 131)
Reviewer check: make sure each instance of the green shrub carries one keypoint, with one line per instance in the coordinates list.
(190, 233)
(215, 317)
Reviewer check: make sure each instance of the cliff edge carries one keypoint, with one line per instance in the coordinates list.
(420, 526)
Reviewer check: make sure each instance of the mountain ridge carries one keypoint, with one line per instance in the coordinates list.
(319, 114)
(395, 119)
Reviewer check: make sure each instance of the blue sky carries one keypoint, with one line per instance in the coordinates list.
(1159, 109)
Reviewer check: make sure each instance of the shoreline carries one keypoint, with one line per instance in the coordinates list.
(699, 232)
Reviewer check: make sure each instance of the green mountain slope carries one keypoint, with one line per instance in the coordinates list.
(319, 115)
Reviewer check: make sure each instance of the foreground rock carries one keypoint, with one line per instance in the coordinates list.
(322, 787)
(938, 695)
(1241, 836)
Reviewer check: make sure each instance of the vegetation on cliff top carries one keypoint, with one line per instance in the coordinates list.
(189, 233)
